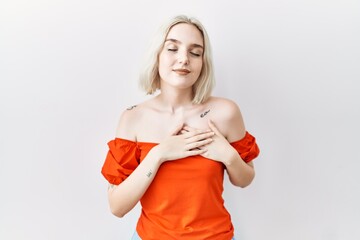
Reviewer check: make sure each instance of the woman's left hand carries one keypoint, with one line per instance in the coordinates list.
(219, 148)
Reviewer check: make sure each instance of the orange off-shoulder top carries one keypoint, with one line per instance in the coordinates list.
(184, 201)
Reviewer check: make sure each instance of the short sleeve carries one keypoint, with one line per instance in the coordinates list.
(121, 160)
(247, 147)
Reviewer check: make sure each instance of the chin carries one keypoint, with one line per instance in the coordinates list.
(181, 83)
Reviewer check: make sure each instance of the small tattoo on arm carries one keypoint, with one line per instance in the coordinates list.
(131, 108)
(111, 186)
(149, 173)
(204, 114)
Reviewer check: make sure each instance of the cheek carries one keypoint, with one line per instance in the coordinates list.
(197, 70)
(199, 66)
(163, 65)
(164, 59)
(161, 60)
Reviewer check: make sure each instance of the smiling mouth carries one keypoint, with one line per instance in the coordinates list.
(181, 71)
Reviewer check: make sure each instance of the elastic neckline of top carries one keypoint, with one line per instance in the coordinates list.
(136, 142)
(154, 143)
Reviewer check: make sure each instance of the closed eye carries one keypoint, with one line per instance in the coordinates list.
(172, 49)
(195, 54)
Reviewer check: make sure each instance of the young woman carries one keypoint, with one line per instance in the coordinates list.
(170, 152)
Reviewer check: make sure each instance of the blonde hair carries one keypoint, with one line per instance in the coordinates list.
(149, 74)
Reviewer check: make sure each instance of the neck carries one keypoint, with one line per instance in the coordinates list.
(173, 101)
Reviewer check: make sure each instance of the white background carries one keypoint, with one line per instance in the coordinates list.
(69, 68)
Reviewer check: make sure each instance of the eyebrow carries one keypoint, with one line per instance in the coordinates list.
(177, 41)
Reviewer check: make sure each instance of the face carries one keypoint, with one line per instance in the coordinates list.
(181, 59)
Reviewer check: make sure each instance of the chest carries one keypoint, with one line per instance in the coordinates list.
(155, 127)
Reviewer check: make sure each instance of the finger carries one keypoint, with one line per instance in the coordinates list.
(177, 129)
(188, 128)
(199, 137)
(194, 152)
(199, 134)
(214, 128)
(183, 131)
(199, 144)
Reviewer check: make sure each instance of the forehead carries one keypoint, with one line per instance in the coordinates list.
(186, 33)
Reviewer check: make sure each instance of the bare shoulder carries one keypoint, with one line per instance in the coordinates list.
(128, 122)
(228, 118)
(227, 107)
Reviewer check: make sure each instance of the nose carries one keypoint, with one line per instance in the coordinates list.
(183, 57)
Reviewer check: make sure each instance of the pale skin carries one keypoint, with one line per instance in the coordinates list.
(180, 127)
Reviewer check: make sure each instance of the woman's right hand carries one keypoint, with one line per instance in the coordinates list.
(184, 144)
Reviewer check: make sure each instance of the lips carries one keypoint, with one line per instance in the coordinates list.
(182, 71)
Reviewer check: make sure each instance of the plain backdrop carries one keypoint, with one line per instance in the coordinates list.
(68, 68)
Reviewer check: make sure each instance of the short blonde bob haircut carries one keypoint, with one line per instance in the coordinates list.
(149, 74)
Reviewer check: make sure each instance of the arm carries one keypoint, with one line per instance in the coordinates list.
(124, 197)
(229, 128)
(240, 173)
